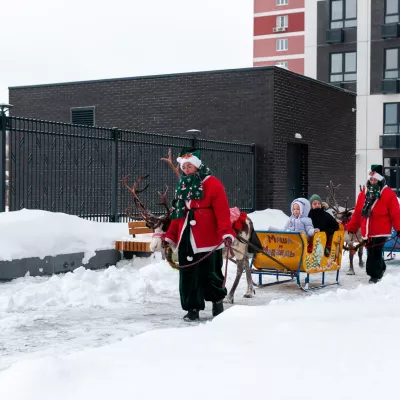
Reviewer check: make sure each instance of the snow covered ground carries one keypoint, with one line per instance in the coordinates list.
(97, 334)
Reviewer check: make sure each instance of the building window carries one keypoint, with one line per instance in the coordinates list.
(282, 21)
(343, 67)
(391, 118)
(282, 64)
(281, 45)
(392, 11)
(343, 14)
(392, 173)
(282, 2)
(82, 115)
(391, 64)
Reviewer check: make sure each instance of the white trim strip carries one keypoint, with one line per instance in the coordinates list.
(373, 205)
(279, 35)
(279, 12)
(279, 58)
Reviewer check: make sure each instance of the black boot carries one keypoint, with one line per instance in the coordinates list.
(373, 280)
(218, 308)
(192, 315)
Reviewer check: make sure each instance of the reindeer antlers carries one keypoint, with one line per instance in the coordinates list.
(171, 163)
(164, 201)
(149, 217)
(331, 199)
(143, 211)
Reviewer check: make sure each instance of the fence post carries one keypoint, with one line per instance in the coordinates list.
(194, 133)
(254, 150)
(114, 217)
(3, 127)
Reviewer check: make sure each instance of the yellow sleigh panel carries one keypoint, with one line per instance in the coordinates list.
(285, 247)
(289, 252)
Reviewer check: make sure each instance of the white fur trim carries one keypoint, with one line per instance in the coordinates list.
(173, 244)
(373, 205)
(228, 235)
(192, 160)
(375, 175)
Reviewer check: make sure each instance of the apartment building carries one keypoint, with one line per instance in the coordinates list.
(279, 34)
(355, 44)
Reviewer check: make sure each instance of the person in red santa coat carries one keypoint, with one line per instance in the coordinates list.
(200, 223)
(377, 210)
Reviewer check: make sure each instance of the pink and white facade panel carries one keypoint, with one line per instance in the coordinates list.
(279, 34)
(262, 6)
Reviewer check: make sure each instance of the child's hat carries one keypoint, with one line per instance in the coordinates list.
(315, 197)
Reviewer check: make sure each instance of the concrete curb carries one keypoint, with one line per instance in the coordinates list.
(58, 264)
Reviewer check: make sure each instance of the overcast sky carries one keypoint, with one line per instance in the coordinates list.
(47, 41)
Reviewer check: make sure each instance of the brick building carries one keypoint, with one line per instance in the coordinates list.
(304, 130)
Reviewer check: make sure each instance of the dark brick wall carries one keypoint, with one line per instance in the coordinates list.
(232, 105)
(327, 125)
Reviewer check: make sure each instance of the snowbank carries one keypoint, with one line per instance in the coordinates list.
(338, 345)
(133, 281)
(36, 233)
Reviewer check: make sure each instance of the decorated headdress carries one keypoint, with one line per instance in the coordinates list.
(376, 172)
(189, 155)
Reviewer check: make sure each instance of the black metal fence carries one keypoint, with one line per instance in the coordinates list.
(77, 169)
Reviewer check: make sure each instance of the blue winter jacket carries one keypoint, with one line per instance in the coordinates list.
(300, 223)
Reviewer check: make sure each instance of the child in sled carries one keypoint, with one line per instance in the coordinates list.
(299, 221)
(322, 221)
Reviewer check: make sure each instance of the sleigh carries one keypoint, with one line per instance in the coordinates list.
(288, 255)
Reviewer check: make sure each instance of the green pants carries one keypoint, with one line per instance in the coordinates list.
(201, 282)
(376, 266)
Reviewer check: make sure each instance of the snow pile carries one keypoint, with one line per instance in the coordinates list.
(268, 219)
(136, 281)
(36, 233)
(330, 346)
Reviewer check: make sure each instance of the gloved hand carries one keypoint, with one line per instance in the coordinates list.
(228, 241)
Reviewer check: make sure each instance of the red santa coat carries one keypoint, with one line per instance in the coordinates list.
(211, 223)
(385, 213)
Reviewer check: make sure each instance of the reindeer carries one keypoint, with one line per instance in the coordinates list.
(160, 225)
(344, 215)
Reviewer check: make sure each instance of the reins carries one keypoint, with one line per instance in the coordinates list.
(229, 252)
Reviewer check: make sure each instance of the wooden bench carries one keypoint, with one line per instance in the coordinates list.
(135, 244)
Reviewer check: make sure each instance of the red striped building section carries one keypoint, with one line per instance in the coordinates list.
(279, 34)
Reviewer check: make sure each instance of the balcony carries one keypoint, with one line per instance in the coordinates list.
(389, 31)
(334, 36)
(389, 86)
(389, 141)
(350, 86)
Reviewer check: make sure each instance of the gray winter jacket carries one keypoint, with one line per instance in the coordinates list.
(301, 223)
